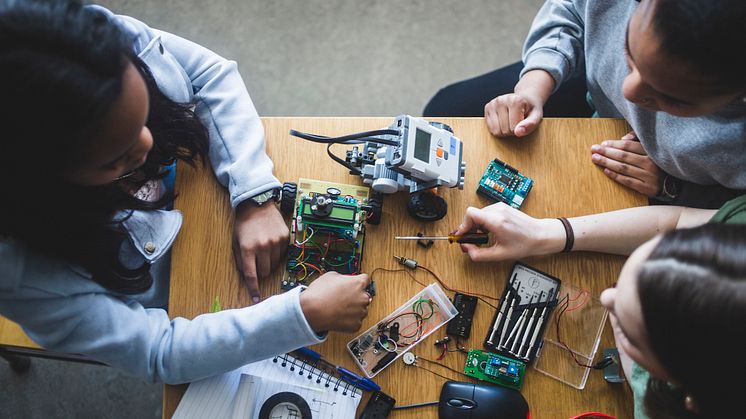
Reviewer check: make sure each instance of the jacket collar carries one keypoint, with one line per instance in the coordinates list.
(151, 233)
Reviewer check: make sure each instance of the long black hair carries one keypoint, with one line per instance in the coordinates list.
(707, 35)
(692, 291)
(63, 66)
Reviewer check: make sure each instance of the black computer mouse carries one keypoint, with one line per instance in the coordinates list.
(460, 400)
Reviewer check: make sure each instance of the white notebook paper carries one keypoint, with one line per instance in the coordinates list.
(245, 391)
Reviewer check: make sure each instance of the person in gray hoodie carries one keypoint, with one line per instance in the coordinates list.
(673, 69)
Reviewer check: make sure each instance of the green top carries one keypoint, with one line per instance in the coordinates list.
(732, 212)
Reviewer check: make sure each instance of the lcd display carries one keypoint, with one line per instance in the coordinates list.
(422, 146)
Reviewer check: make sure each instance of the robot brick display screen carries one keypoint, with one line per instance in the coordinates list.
(422, 146)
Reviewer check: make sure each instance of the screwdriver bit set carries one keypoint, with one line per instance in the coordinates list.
(526, 305)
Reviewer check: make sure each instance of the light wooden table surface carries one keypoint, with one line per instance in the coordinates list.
(557, 157)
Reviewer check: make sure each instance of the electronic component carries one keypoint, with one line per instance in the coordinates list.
(409, 358)
(460, 325)
(415, 320)
(411, 154)
(503, 183)
(409, 263)
(379, 406)
(495, 369)
(327, 231)
(612, 370)
(521, 318)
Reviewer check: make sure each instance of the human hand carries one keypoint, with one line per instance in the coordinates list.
(260, 238)
(336, 302)
(513, 114)
(626, 162)
(521, 112)
(516, 234)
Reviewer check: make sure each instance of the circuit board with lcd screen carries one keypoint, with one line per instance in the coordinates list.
(327, 231)
(502, 182)
(495, 369)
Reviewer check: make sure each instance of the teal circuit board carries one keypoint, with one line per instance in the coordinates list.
(495, 369)
(502, 182)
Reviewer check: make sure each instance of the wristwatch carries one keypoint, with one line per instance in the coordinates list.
(670, 189)
(272, 195)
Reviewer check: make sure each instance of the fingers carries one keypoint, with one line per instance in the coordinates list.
(248, 262)
(472, 220)
(626, 162)
(504, 121)
(482, 254)
(645, 188)
(528, 125)
(512, 114)
(263, 262)
(490, 117)
(633, 146)
(623, 167)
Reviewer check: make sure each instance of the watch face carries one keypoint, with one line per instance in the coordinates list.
(263, 197)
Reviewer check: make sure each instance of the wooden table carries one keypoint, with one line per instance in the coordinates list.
(557, 157)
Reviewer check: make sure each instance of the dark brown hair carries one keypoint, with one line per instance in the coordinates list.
(692, 291)
(62, 66)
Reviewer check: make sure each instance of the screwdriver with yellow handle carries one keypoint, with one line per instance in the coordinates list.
(473, 238)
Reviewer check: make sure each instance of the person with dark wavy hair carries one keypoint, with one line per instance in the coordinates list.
(677, 313)
(673, 69)
(96, 110)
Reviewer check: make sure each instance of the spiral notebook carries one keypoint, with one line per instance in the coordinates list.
(264, 387)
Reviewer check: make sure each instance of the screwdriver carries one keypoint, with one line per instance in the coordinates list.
(474, 238)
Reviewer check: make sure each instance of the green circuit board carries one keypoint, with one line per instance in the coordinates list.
(502, 182)
(495, 369)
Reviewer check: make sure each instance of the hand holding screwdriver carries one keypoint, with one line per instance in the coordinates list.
(515, 234)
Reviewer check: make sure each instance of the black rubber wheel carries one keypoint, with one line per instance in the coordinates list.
(426, 206)
(287, 199)
(376, 207)
(441, 126)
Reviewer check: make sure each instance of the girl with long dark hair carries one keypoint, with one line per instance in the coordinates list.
(97, 109)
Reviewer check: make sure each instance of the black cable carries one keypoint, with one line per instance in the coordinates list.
(353, 170)
(444, 366)
(412, 406)
(361, 136)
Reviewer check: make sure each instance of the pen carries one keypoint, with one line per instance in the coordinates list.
(364, 383)
(345, 374)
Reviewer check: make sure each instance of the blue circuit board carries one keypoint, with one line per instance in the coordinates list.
(504, 183)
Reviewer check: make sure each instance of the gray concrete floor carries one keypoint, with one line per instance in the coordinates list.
(298, 58)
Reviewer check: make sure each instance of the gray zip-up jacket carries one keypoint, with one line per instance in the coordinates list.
(568, 36)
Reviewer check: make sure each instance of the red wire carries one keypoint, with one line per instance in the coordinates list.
(581, 304)
(315, 267)
(454, 289)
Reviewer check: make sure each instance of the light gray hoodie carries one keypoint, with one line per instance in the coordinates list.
(568, 36)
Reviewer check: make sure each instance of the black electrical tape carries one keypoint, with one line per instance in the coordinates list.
(296, 401)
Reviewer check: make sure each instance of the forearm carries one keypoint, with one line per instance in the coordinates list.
(621, 232)
(537, 84)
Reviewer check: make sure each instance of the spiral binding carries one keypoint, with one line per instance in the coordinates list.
(322, 377)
